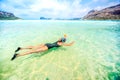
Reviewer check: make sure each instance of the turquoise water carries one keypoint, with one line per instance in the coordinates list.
(94, 56)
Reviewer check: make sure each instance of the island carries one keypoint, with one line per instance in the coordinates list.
(44, 18)
(112, 13)
(7, 16)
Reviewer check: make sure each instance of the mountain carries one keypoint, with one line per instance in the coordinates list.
(7, 16)
(112, 13)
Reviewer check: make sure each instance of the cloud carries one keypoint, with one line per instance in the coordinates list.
(55, 8)
(33, 9)
(100, 0)
(105, 6)
(48, 8)
(95, 0)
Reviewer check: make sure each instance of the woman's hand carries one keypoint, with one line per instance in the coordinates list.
(72, 43)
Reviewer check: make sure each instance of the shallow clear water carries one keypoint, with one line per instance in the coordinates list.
(94, 56)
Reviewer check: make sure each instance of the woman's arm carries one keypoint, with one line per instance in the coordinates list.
(68, 44)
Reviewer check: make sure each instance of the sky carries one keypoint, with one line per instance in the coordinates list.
(34, 9)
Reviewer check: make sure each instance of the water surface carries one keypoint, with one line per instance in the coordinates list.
(94, 56)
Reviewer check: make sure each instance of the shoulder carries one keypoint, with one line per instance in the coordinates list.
(60, 43)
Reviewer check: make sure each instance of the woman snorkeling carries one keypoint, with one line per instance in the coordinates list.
(41, 47)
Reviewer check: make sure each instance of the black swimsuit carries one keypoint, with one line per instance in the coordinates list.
(52, 45)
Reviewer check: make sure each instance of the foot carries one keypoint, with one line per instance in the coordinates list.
(14, 56)
(17, 49)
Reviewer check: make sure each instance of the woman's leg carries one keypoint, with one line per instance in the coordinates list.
(26, 53)
(44, 48)
(29, 47)
(33, 50)
(20, 48)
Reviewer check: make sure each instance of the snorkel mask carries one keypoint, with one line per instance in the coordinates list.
(63, 39)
